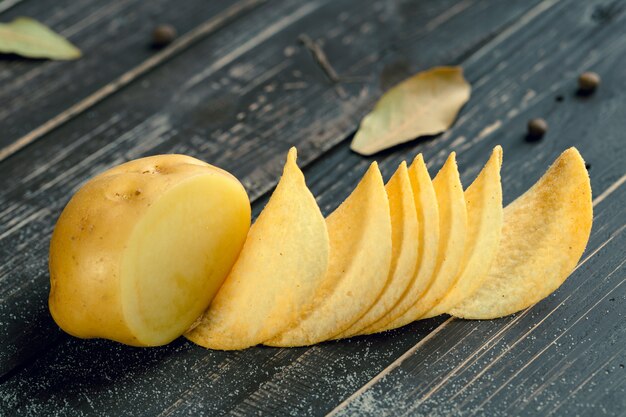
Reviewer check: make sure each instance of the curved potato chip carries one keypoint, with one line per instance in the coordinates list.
(273, 283)
(404, 240)
(428, 243)
(484, 228)
(453, 231)
(544, 235)
(360, 257)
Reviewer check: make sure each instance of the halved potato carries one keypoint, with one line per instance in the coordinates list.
(404, 241)
(360, 258)
(452, 238)
(428, 243)
(141, 249)
(484, 219)
(281, 266)
(544, 235)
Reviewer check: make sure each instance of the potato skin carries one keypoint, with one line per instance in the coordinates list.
(90, 237)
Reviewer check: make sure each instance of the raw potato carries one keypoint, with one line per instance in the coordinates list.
(453, 232)
(404, 240)
(428, 244)
(282, 265)
(140, 250)
(360, 258)
(484, 219)
(544, 235)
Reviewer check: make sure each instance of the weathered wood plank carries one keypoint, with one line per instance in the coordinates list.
(115, 39)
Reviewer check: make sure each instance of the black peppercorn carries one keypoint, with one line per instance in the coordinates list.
(536, 129)
(588, 82)
(163, 35)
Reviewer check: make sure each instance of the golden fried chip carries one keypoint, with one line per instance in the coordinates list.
(274, 281)
(404, 241)
(360, 258)
(544, 235)
(453, 231)
(428, 242)
(484, 221)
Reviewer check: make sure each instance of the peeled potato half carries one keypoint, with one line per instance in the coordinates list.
(360, 257)
(140, 250)
(281, 267)
(404, 241)
(544, 235)
(483, 199)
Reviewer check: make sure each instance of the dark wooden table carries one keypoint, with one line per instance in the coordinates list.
(238, 89)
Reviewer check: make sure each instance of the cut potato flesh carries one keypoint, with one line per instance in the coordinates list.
(544, 235)
(360, 258)
(428, 242)
(483, 199)
(170, 260)
(140, 250)
(404, 241)
(281, 266)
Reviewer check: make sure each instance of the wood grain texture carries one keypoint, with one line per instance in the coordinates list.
(115, 38)
(247, 58)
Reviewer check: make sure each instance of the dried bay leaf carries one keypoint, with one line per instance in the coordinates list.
(29, 38)
(425, 104)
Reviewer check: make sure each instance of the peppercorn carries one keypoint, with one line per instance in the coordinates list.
(536, 129)
(163, 35)
(588, 82)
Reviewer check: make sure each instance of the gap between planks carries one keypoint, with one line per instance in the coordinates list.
(537, 355)
(179, 45)
(251, 43)
(389, 368)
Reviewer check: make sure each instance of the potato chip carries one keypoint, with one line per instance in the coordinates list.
(453, 230)
(428, 243)
(544, 235)
(404, 240)
(360, 258)
(279, 270)
(483, 199)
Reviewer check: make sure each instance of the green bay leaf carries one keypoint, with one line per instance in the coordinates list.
(427, 103)
(29, 38)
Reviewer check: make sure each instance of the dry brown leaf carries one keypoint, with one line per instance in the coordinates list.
(425, 104)
(29, 38)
